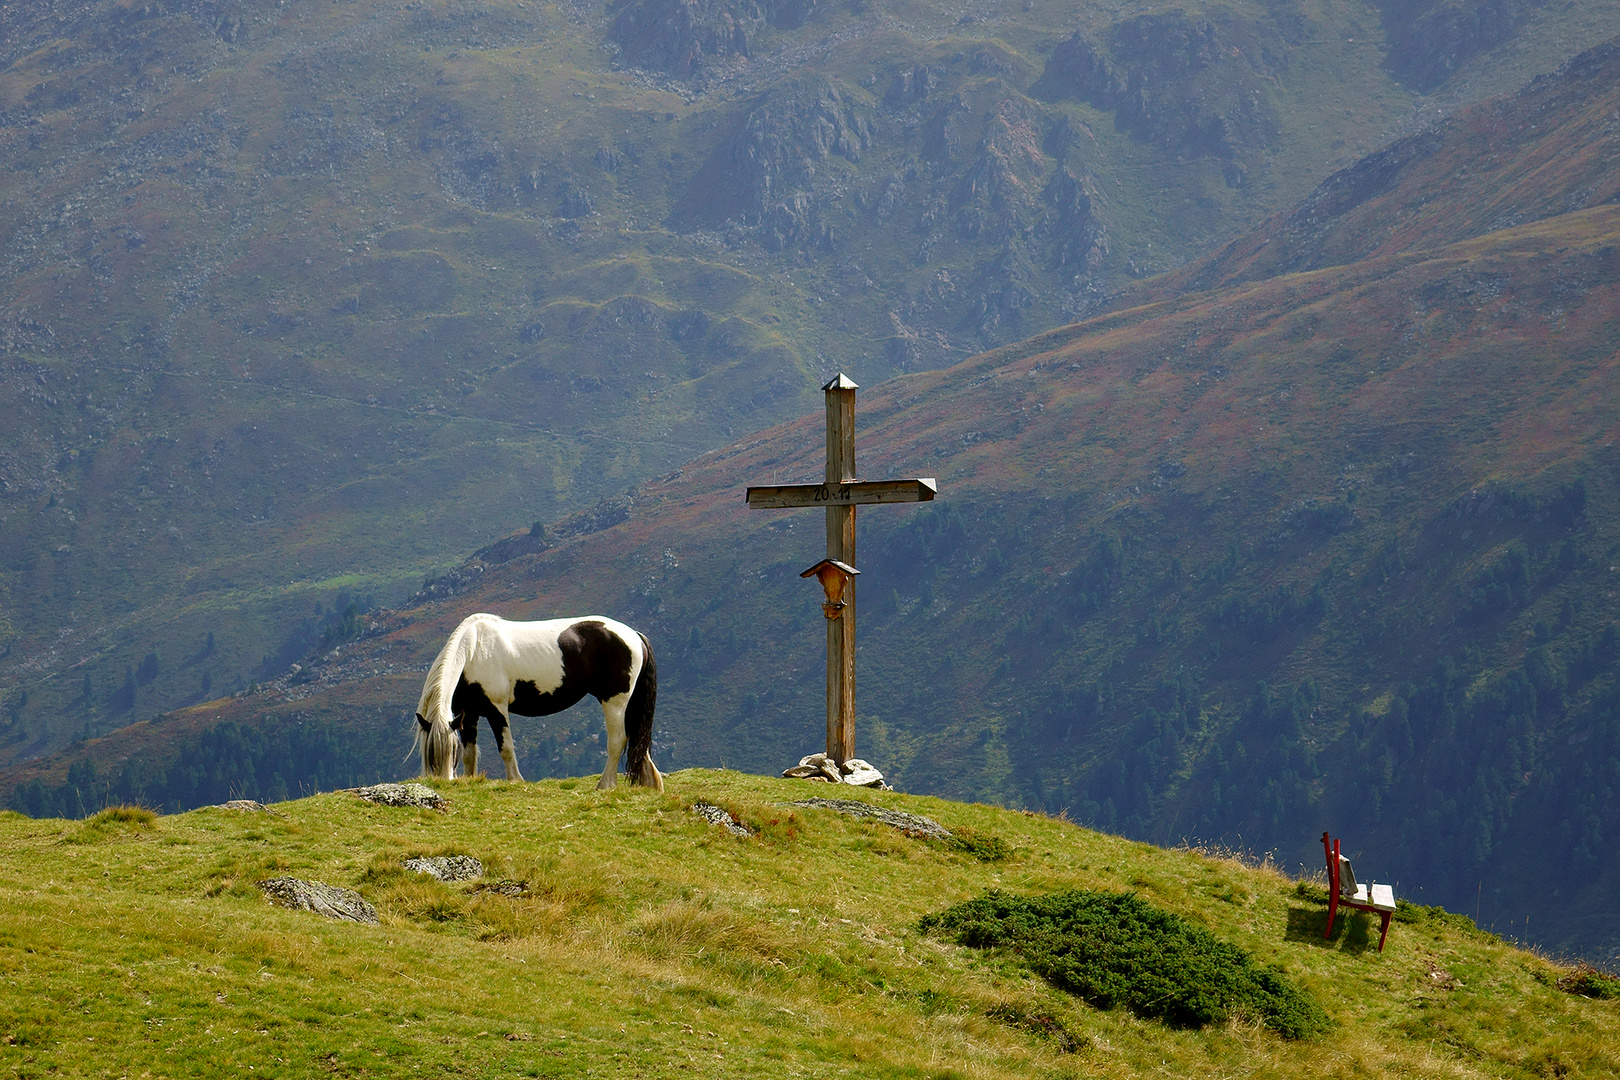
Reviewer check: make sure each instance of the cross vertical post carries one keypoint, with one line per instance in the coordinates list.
(841, 548)
(840, 494)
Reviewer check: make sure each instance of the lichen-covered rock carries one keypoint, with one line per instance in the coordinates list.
(409, 794)
(247, 805)
(322, 899)
(447, 867)
(714, 815)
(910, 824)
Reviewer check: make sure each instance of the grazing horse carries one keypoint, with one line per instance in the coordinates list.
(491, 667)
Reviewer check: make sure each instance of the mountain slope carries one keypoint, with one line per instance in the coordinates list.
(623, 935)
(1140, 521)
(1329, 550)
(1542, 152)
(305, 300)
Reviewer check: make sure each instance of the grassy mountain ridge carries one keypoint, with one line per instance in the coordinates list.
(306, 300)
(622, 934)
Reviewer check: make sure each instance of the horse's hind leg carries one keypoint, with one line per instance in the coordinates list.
(613, 712)
(503, 742)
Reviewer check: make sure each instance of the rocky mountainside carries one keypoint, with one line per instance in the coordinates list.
(302, 301)
(1496, 169)
(1330, 549)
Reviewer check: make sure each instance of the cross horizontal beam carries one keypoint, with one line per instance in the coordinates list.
(848, 493)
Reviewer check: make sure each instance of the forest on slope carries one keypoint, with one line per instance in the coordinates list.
(1331, 546)
(302, 301)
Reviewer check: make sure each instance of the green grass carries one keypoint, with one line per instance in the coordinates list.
(644, 942)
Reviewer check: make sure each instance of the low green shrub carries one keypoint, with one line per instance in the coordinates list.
(1114, 949)
(1588, 981)
(978, 845)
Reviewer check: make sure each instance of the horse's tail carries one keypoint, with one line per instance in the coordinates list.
(638, 722)
(440, 745)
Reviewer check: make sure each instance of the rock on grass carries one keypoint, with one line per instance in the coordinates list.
(322, 899)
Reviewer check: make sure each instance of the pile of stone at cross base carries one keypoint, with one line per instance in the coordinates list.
(853, 771)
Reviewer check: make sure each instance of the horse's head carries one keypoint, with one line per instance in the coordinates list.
(440, 748)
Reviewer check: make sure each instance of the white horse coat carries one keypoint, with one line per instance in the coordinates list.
(491, 668)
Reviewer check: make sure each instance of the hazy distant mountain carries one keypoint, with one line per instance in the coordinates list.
(301, 301)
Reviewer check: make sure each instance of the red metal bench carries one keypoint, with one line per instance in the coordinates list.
(1344, 892)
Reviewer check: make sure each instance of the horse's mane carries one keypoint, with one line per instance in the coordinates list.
(434, 736)
(440, 685)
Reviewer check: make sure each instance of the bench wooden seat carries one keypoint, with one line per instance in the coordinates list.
(1345, 891)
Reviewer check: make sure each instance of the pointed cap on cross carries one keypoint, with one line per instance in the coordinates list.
(832, 566)
(841, 382)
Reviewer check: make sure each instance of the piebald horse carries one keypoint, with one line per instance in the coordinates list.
(491, 668)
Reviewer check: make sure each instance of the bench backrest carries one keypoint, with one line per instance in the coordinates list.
(1341, 876)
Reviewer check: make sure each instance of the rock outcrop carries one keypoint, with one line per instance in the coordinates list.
(686, 38)
(1073, 232)
(715, 815)
(409, 794)
(1188, 84)
(910, 824)
(447, 867)
(246, 805)
(1429, 41)
(765, 175)
(328, 900)
(823, 768)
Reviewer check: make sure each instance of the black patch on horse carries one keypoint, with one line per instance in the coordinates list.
(595, 661)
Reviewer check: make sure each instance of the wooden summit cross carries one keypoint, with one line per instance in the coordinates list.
(840, 494)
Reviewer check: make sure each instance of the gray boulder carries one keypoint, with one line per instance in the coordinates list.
(322, 899)
(447, 867)
(409, 794)
(855, 772)
(910, 824)
(714, 815)
(245, 805)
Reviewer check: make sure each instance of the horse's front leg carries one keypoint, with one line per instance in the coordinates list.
(502, 727)
(613, 712)
(467, 724)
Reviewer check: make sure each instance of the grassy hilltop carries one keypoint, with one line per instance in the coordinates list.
(644, 941)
